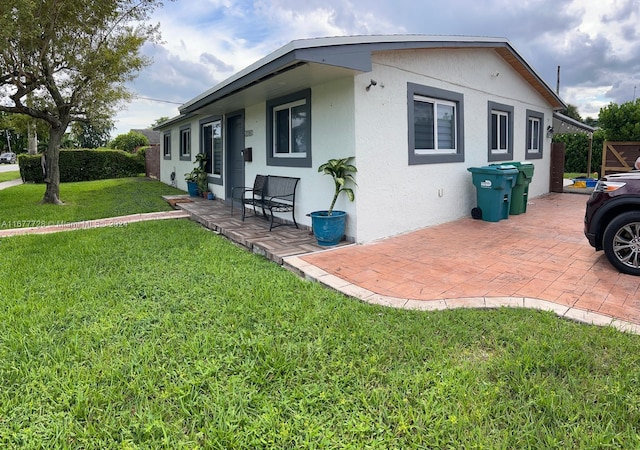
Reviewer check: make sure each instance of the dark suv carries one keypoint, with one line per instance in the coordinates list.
(612, 220)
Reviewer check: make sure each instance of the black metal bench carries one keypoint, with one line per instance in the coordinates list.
(269, 192)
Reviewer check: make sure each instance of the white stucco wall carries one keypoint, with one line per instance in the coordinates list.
(180, 167)
(332, 118)
(395, 197)
(167, 166)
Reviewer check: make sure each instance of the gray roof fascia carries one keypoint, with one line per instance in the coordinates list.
(352, 52)
(172, 121)
(534, 73)
(240, 81)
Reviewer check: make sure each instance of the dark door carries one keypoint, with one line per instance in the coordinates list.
(235, 145)
(557, 167)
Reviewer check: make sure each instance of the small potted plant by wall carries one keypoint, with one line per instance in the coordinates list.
(203, 184)
(328, 226)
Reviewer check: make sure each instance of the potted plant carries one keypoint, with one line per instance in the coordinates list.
(192, 182)
(197, 178)
(328, 226)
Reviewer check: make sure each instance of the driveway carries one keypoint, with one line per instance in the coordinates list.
(541, 256)
(9, 167)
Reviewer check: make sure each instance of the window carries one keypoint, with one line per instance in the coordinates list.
(166, 145)
(289, 130)
(500, 132)
(534, 134)
(211, 134)
(435, 125)
(185, 143)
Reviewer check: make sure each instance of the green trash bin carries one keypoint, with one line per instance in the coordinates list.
(493, 187)
(520, 191)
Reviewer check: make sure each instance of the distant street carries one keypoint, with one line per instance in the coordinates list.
(8, 167)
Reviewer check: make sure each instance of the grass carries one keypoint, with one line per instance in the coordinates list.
(577, 175)
(8, 176)
(83, 201)
(164, 335)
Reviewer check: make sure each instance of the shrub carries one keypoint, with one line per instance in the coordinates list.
(129, 141)
(85, 165)
(577, 151)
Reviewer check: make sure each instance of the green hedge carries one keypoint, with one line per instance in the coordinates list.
(85, 165)
(577, 151)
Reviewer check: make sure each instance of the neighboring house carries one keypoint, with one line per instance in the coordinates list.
(414, 111)
(152, 135)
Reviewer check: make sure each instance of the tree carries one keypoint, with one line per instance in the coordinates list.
(572, 111)
(66, 60)
(591, 122)
(159, 121)
(621, 122)
(18, 127)
(129, 141)
(91, 135)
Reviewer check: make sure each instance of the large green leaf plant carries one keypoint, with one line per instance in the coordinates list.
(341, 170)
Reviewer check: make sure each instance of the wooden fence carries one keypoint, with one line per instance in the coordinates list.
(152, 161)
(619, 156)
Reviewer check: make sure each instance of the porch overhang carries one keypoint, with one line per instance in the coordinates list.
(565, 124)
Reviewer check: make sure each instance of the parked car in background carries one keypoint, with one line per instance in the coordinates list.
(612, 220)
(8, 158)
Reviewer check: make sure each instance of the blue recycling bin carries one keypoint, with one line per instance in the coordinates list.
(493, 187)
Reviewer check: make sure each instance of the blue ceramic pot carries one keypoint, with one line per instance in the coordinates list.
(192, 187)
(328, 229)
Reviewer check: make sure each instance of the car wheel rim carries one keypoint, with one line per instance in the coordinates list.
(626, 245)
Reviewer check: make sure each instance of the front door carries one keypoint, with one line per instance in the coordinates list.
(235, 145)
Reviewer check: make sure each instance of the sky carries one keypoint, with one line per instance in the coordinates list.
(596, 43)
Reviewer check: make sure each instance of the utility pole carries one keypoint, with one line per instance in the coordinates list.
(558, 82)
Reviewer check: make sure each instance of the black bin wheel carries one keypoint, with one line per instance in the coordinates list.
(476, 213)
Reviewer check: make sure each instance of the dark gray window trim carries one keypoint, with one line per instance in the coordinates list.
(271, 104)
(184, 157)
(213, 179)
(166, 149)
(428, 91)
(536, 115)
(493, 106)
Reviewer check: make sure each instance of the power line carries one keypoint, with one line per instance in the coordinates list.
(158, 100)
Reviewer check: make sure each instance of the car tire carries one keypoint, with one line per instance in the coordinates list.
(621, 242)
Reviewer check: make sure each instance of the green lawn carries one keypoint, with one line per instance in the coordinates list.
(165, 335)
(83, 201)
(8, 176)
(577, 175)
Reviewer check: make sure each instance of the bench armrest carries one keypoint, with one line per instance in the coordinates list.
(245, 189)
(287, 197)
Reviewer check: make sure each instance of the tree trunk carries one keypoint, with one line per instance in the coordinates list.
(32, 139)
(51, 166)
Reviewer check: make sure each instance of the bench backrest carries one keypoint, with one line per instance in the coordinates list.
(281, 186)
(260, 184)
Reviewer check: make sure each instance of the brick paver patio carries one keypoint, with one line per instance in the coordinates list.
(539, 255)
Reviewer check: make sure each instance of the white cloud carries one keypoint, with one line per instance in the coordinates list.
(206, 41)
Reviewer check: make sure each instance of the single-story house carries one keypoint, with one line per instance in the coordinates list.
(414, 111)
